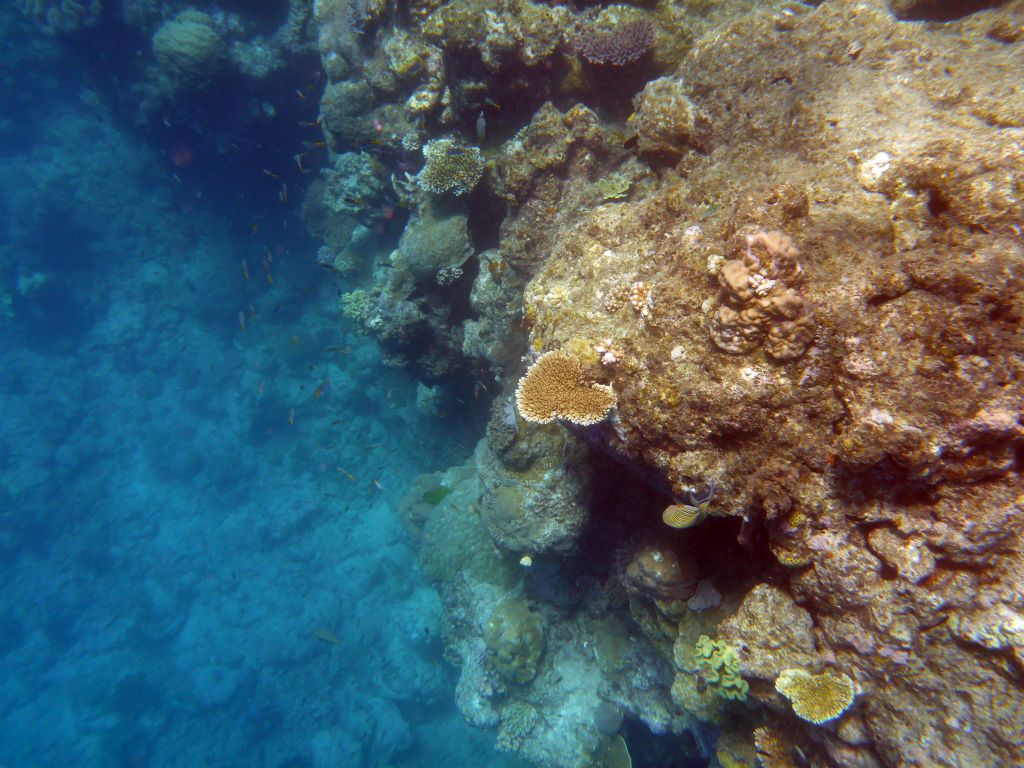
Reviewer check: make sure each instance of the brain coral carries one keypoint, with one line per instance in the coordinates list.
(188, 47)
(816, 698)
(553, 388)
(451, 167)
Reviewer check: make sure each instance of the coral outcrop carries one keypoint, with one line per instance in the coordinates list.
(793, 276)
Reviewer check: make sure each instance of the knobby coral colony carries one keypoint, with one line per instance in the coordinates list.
(783, 271)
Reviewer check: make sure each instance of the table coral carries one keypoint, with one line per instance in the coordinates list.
(554, 388)
(816, 698)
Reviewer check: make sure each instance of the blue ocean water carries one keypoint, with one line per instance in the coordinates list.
(200, 559)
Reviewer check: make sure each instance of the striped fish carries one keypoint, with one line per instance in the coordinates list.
(685, 515)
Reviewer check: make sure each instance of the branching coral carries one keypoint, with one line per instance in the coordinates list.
(451, 167)
(626, 44)
(816, 698)
(553, 388)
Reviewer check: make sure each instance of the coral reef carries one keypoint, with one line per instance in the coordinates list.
(796, 281)
(514, 637)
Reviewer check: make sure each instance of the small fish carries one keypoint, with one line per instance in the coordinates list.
(298, 160)
(282, 193)
(336, 422)
(346, 473)
(295, 340)
(291, 416)
(241, 320)
(271, 174)
(684, 515)
(323, 633)
(357, 201)
(311, 124)
(491, 103)
(314, 144)
(456, 151)
(481, 127)
(245, 269)
(325, 386)
(300, 94)
(376, 484)
(526, 561)
(378, 126)
(270, 279)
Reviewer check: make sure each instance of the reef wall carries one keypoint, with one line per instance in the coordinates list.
(796, 271)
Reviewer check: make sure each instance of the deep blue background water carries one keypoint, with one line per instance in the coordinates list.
(176, 537)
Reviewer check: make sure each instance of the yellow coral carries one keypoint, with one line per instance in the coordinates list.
(816, 698)
(553, 388)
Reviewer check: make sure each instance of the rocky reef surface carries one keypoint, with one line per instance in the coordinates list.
(797, 265)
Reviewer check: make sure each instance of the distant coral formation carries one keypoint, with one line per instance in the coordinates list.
(62, 16)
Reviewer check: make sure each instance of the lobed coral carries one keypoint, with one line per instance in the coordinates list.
(554, 388)
(761, 304)
(720, 665)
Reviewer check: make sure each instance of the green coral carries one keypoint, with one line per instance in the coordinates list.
(514, 637)
(721, 665)
(451, 167)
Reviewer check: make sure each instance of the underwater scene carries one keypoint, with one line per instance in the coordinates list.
(512, 383)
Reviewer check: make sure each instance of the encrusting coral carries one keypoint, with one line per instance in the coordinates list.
(554, 388)
(816, 698)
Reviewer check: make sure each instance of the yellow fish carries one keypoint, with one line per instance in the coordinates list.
(323, 633)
